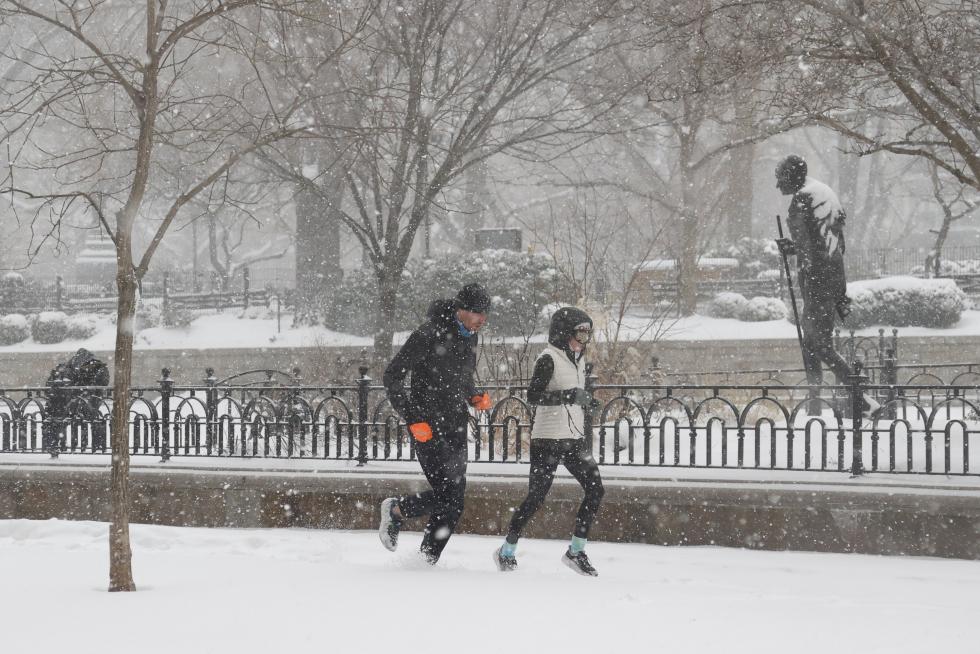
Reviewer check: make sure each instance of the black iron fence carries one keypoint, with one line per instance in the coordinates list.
(871, 263)
(241, 292)
(918, 428)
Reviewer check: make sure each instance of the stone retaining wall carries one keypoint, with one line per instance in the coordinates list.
(773, 515)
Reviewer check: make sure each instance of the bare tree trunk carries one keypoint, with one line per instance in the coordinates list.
(385, 325)
(120, 553)
(687, 255)
(738, 206)
(318, 237)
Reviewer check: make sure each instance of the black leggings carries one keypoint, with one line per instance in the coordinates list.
(574, 454)
(443, 460)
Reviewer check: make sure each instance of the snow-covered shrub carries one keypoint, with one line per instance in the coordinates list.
(50, 327)
(12, 279)
(520, 285)
(259, 312)
(905, 302)
(753, 255)
(761, 308)
(769, 273)
(727, 305)
(177, 315)
(80, 327)
(14, 328)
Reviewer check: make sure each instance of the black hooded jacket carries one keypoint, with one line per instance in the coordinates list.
(442, 363)
(563, 324)
(86, 369)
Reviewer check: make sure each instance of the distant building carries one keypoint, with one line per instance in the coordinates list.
(498, 239)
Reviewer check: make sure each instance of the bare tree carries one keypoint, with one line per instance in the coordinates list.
(954, 208)
(913, 65)
(244, 226)
(443, 85)
(104, 97)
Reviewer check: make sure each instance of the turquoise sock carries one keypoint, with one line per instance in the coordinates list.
(508, 550)
(578, 545)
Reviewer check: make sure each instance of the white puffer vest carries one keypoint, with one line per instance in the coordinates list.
(565, 420)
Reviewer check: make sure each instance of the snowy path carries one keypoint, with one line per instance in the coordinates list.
(291, 591)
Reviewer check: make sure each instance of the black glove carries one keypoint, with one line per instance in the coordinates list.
(578, 396)
(786, 246)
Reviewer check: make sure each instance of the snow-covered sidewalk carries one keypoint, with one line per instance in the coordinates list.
(295, 591)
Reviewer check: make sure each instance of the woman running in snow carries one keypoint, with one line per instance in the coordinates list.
(557, 388)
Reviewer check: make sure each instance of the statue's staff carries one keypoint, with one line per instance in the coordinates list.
(789, 282)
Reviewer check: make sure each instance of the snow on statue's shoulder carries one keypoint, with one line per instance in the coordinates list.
(827, 211)
(824, 201)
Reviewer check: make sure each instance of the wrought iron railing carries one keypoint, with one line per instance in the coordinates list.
(918, 428)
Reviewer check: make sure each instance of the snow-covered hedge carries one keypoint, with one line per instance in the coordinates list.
(762, 308)
(50, 327)
(905, 302)
(727, 305)
(734, 305)
(520, 284)
(80, 327)
(14, 328)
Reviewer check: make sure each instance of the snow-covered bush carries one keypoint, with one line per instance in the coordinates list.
(11, 280)
(80, 327)
(761, 308)
(148, 315)
(177, 315)
(905, 302)
(14, 328)
(50, 327)
(727, 305)
(735, 305)
(259, 312)
(520, 285)
(753, 255)
(769, 273)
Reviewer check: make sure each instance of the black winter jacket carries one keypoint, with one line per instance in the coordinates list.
(442, 363)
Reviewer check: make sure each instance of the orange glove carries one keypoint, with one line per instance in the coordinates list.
(421, 431)
(481, 402)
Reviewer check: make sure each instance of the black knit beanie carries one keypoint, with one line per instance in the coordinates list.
(473, 297)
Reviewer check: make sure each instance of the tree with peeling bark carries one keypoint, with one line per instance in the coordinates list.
(99, 98)
(436, 88)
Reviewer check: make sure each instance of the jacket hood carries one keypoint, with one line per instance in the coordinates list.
(442, 312)
(80, 358)
(563, 324)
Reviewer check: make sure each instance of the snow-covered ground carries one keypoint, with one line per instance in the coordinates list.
(216, 591)
(228, 330)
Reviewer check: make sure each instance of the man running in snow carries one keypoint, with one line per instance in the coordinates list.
(441, 357)
(557, 389)
(816, 224)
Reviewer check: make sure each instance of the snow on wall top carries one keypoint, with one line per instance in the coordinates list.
(704, 262)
